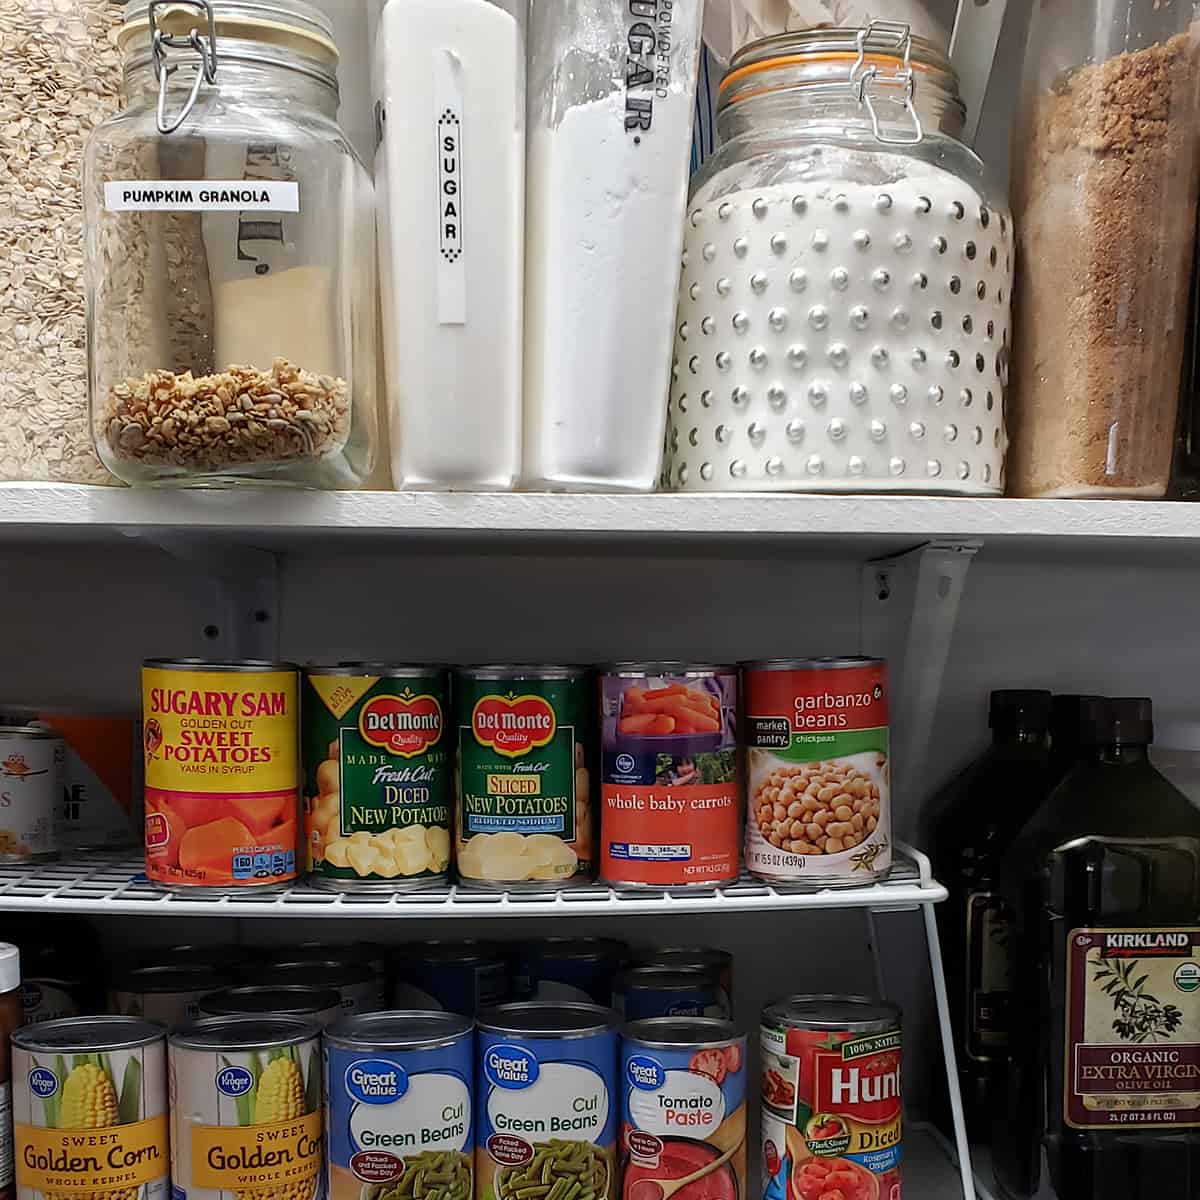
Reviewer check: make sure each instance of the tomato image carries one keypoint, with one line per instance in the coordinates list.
(733, 1058)
(778, 1091)
(833, 1179)
(711, 1063)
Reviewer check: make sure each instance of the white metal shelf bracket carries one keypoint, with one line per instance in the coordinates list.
(234, 595)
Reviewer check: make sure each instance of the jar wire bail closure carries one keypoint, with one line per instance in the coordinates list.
(205, 45)
(862, 76)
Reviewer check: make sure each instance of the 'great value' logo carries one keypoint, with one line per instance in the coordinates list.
(513, 725)
(405, 725)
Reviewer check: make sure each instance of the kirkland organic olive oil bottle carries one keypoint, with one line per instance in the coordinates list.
(1104, 887)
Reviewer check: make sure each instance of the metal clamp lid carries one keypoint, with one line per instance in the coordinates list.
(864, 79)
(205, 45)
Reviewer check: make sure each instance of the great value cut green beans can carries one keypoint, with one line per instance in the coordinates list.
(546, 1090)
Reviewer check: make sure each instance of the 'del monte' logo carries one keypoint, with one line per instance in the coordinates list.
(406, 725)
(513, 725)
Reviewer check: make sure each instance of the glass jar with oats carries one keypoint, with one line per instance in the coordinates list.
(230, 252)
(1105, 176)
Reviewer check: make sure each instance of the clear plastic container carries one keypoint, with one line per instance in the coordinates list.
(844, 301)
(230, 254)
(1105, 162)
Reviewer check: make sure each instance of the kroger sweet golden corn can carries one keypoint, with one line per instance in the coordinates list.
(90, 1110)
(246, 1109)
(221, 743)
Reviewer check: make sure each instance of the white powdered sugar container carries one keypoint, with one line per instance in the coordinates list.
(611, 89)
(843, 318)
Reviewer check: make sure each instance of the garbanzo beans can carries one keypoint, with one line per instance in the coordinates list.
(818, 808)
(378, 776)
(90, 1109)
(524, 820)
(221, 743)
(246, 1111)
(831, 1117)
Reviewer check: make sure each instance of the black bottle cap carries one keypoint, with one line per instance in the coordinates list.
(1123, 721)
(1013, 710)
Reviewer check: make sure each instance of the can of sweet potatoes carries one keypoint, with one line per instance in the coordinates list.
(221, 745)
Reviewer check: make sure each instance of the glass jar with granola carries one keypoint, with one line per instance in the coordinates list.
(230, 254)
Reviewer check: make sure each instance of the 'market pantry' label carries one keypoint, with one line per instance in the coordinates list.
(1133, 1028)
(201, 195)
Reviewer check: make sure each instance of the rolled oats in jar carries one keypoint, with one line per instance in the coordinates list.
(818, 773)
(844, 302)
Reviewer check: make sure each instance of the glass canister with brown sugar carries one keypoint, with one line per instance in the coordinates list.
(230, 252)
(1105, 172)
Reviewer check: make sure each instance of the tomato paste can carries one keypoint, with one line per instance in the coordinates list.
(670, 787)
(31, 781)
(378, 776)
(683, 1107)
(458, 977)
(818, 810)
(221, 743)
(695, 991)
(247, 1118)
(571, 969)
(399, 1088)
(524, 815)
(547, 1101)
(322, 1005)
(89, 1110)
(169, 995)
(831, 1118)
(706, 958)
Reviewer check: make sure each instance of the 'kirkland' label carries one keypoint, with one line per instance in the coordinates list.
(987, 976)
(1133, 1028)
(524, 811)
(670, 792)
(377, 776)
(201, 195)
(548, 1111)
(819, 794)
(681, 1108)
(399, 1112)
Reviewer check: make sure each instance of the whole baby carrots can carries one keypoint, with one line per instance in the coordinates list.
(222, 773)
(670, 787)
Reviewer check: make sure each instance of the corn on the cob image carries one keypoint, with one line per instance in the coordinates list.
(280, 1093)
(89, 1101)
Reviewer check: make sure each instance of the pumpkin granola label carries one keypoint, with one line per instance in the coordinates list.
(1133, 1028)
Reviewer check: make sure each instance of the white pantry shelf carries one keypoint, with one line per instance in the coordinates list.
(858, 526)
(98, 883)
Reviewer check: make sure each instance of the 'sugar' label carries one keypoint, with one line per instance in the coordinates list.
(548, 1110)
(394, 1113)
(1133, 1028)
(201, 195)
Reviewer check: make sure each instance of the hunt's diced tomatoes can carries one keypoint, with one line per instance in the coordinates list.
(818, 810)
(221, 744)
(831, 1117)
(670, 789)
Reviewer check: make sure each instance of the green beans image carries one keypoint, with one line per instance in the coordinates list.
(558, 1170)
(431, 1175)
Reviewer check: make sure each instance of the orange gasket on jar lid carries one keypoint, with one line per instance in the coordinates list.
(798, 60)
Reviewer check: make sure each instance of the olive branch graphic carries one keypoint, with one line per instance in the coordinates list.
(1139, 1016)
(864, 860)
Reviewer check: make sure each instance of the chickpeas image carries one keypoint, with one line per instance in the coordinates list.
(816, 808)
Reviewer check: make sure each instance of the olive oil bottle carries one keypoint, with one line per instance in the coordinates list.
(1103, 885)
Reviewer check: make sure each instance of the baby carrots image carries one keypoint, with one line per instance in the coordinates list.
(658, 712)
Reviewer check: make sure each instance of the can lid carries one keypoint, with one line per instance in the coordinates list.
(87, 1034)
(10, 967)
(158, 980)
(667, 667)
(858, 1013)
(243, 1032)
(207, 664)
(670, 979)
(315, 973)
(680, 956)
(545, 1019)
(522, 671)
(681, 1031)
(388, 670)
(399, 1029)
(831, 663)
(468, 950)
(286, 999)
